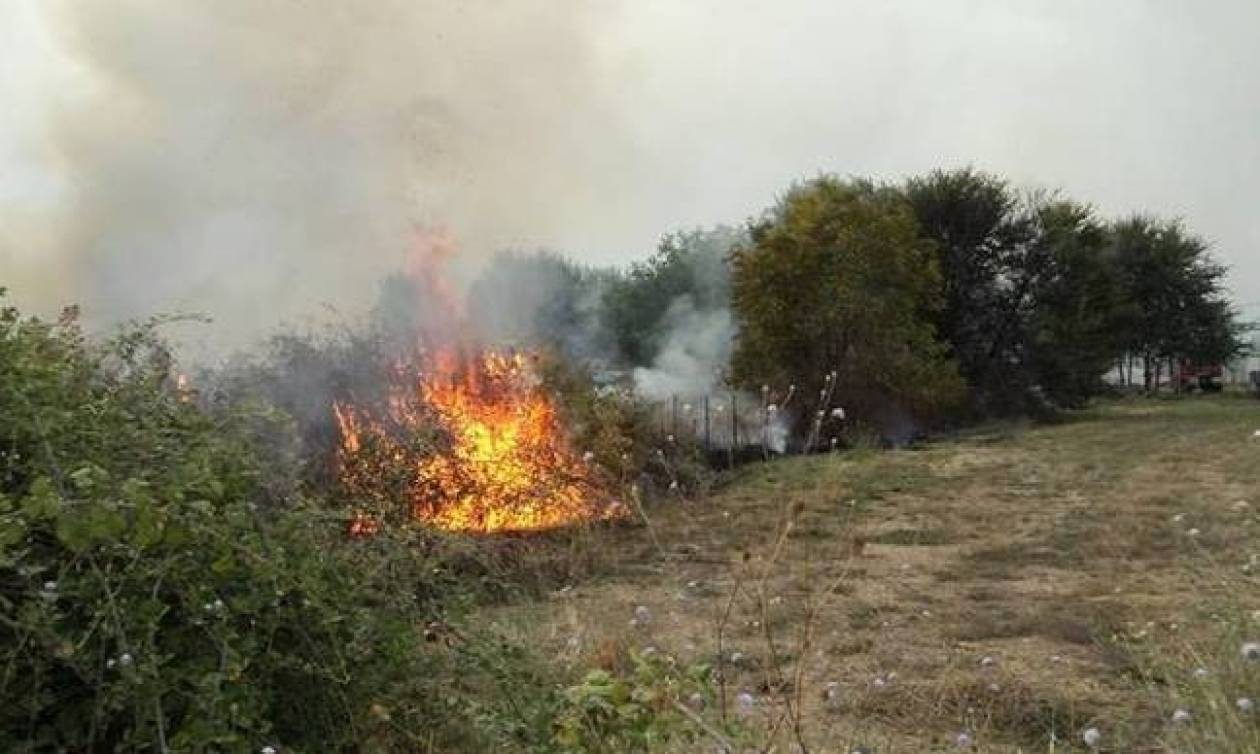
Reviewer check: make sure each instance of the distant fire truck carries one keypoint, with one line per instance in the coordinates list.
(1191, 376)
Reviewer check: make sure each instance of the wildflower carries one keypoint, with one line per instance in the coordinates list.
(963, 741)
(125, 659)
(642, 615)
(1180, 717)
(745, 702)
(1179, 518)
(1251, 651)
(669, 438)
(1091, 737)
(831, 694)
(673, 484)
(1245, 705)
(1193, 533)
(987, 662)
(110, 663)
(50, 586)
(771, 408)
(1200, 673)
(267, 750)
(737, 657)
(837, 413)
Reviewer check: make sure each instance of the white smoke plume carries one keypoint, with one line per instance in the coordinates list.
(254, 160)
(695, 348)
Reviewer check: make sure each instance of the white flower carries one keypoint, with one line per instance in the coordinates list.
(963, 741)
(1180, 717)
(1091, 737)
(1200, 673)
(745, 701)
(267, 750)
(643, 615)
(125, 659)
(673, 484)
(987, 662)
(1245, 705)
(110, 663)
(771, 408)
(995, 688)
(831, 694)
(837, 413)
(50, 586)
(1251, 651)
(1193, 533)
(588, 456)
(669, 438)
(1179, 518)
(737, 657)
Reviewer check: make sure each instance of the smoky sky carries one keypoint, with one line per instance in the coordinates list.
(255, 161)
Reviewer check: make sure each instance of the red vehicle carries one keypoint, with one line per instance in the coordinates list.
(1205, 377)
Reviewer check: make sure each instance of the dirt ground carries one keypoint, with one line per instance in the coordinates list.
(1011, 585)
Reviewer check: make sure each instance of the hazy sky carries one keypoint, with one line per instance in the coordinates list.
(206, 155)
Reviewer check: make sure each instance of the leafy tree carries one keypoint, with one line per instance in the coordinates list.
(691, 264)
(1076, 311)
(836, 277)
(1180, 307)
(980, 232)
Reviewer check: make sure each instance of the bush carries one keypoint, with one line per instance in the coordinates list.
(154, 595)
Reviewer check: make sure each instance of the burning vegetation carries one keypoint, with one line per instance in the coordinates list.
(466, 441)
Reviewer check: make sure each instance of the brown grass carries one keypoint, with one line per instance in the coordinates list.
(1053, 551)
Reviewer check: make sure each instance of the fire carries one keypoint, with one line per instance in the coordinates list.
(471, 443)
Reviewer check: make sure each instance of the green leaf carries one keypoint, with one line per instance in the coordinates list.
(42, 502)
(82, 527)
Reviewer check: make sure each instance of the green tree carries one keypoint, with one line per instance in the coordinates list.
(1180, 308)
(690, 264)
(980, 231)
(836, 278)
(1076, 312)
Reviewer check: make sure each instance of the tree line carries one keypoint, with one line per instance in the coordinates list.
(948, 295)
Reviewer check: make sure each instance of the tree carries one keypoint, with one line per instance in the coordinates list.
(687, 265)
(980, 232)
(1180, 308)
(836, 277)
(1077, 311)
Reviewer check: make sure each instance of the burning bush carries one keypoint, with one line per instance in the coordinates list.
(469, 441)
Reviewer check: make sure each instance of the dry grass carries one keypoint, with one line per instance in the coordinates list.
(1019, 584)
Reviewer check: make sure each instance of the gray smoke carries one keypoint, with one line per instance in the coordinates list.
(255, 160)
(693, 352)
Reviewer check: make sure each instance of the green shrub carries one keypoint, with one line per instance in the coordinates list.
(155, 595)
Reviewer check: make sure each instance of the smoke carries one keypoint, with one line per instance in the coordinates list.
(695, 348)
(254, 160)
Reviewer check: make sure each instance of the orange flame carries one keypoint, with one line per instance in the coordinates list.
(499, 460)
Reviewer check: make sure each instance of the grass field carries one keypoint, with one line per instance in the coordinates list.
(1016, 585)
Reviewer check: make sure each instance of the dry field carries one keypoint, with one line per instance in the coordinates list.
(1016, 585)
